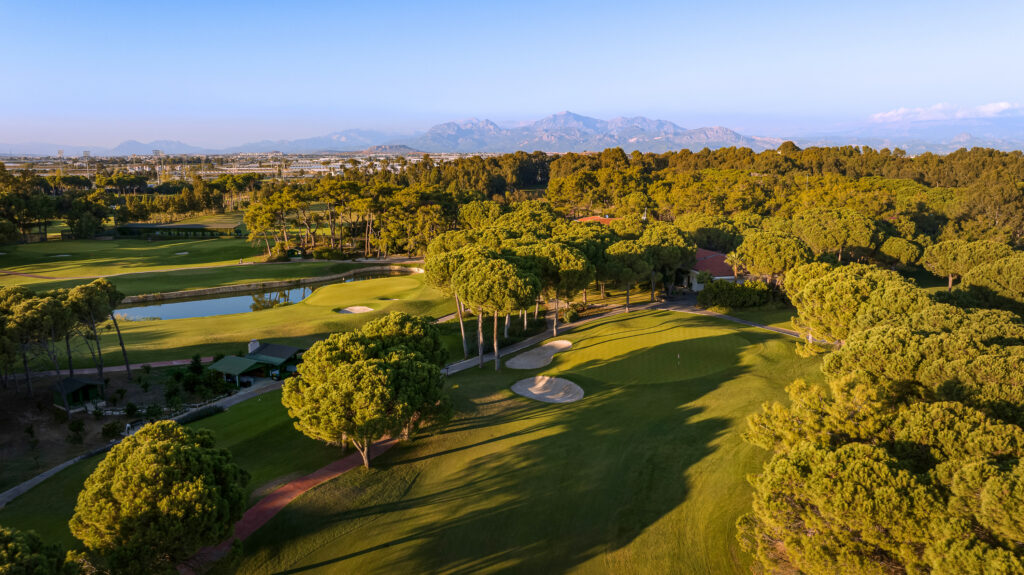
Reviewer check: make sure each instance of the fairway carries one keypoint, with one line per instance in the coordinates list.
(644, 474)
(96, 258)
(300, 323)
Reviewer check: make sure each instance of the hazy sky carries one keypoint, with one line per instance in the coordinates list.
(221, 73)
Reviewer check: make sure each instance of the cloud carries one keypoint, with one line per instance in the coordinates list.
(947, 112)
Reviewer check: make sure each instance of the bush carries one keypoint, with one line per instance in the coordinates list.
(277, 254)
(154, 412)
(572, 312)
(723, 293)
(76, 427)
(201, 413)
(327, 253)
(112, 430)
(131, 410)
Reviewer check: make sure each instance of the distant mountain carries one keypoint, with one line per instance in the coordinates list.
(392, 150)
(936, 136)
(569, 132)
(345, 141)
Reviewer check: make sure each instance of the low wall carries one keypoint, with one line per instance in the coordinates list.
(271, 285)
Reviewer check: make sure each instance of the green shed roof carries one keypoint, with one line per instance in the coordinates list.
(234, 365)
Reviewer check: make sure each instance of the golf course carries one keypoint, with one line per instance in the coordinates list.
(645, 473)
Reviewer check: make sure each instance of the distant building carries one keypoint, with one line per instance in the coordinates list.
(603, 220)
(711, 262)
(263, 359)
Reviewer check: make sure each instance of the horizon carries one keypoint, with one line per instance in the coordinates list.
(224, 75)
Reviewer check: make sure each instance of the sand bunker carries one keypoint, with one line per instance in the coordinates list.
(181, 253)
(61, 256)
(548, 389)
(538, 356)
(356, 309)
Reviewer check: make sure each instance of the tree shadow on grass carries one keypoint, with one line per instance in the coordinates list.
(545, 496)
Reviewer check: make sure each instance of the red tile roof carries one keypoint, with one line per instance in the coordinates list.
(713, 263)
(599, 219)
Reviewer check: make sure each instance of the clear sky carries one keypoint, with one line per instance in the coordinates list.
(221, 73)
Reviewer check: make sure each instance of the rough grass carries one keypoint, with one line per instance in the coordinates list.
(258, 432)
(644, 475)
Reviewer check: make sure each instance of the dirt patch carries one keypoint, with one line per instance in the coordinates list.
(548, 389)
(538, 356)
(356, 309)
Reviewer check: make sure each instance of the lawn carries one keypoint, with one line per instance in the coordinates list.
(96, 258)
(644, 475)
(299, 324)
(204, 277)
(773, 315)
(258, 432)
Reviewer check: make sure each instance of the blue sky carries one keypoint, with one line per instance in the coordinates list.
(223, 73)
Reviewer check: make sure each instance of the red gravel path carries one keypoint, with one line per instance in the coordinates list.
(265, 509)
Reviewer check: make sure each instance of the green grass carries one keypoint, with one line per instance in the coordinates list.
(299, 324)
(644, 475)
(207, 277)
(258, 432)
(772, 315)
(96, 258)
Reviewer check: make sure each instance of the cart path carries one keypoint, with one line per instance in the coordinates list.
(265, 509)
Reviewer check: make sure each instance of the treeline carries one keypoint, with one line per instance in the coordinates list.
(911, 458)
(44, 327)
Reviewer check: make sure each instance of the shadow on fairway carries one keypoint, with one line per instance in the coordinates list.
(538, 488)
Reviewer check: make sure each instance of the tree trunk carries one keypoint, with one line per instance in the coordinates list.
(99, 347)
(28, 372)
(524, 320)
(584, 297)
(120, 340)
(652, 287)
(480, 335)
(462, 327)
(536, 308)
(627, 299)
(497, 353)
(508, 321)
(67, 345)
(555, 330)
(364, 450)
(950, 285)
(602, 289)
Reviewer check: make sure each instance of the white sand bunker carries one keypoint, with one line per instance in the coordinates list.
(181, 253)
(538, 356)
(356, 309)
(548, 389)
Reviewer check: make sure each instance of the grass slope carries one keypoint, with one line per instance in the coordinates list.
(644, 475)
(258, 433)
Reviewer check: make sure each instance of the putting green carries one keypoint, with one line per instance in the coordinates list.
(646, 475)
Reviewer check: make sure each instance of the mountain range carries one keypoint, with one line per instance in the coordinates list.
(569, 132)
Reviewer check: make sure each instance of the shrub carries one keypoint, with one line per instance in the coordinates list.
(112, 430)
(201, 413)
(131, 410)
(327, 253)
(723, 293)
(76, 427)
(154, 412)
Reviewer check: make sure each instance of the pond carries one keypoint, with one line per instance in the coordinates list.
(229, 303)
